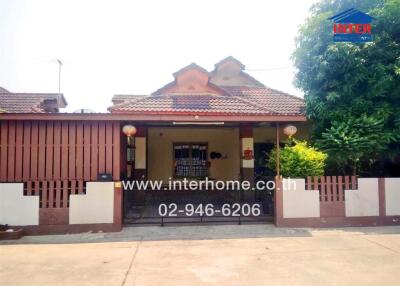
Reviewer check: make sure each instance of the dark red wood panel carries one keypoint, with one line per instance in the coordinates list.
(346, 183)
(65, 194)
(334, 189)
(64, 150)
(26, 168)
(11, 152)
(102, 147)
(19, 159)
(323, 189)
(328, 189)
(340, 189)
(94, 152)
(72, 150)
(80, 187)
(29, 189)
(4, 152)
(34, 151)
(79, 151)
(42, 151)
(44, 201)
(109, 148)
(49, 150)
(73, 187)
(51, 194)
(58, 191)
(57, 151)
(86, 150)
(116, 151)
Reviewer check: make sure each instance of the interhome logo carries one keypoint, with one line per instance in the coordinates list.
(352, 26)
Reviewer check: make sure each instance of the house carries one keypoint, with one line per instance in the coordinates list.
(224, 109)
(11, 102)
(200, 125)
(62, 172)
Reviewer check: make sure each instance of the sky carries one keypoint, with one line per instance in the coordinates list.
(134, 47)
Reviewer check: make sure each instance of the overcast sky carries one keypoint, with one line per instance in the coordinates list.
(133, 47)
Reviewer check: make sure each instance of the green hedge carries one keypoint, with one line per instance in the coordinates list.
(298, 160)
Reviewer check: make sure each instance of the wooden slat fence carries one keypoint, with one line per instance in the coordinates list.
(53, 150)
(54, 194)
(331, 188)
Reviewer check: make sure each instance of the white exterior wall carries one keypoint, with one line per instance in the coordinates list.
(392, 196)
(97, 206)
(365, 200)
(297, 202)
(15, 208)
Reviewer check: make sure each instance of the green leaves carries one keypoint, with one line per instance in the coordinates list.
(352, 90)
(299, 160)
(356, 139)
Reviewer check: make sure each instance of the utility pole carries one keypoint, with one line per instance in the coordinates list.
(53, 61)
(59, 74)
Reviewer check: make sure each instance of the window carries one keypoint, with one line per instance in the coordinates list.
(190, 160)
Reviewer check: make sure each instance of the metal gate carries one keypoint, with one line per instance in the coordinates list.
(163, 207)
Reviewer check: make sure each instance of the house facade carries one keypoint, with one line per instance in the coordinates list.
(62, 172)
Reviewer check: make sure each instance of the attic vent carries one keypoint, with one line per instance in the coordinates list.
(191, 102)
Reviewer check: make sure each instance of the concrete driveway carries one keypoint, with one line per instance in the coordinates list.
(206, 255)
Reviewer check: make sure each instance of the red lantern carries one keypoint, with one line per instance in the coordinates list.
(248, 154)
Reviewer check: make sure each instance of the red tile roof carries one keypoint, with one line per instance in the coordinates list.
(238, 101)
(277, 101)
(31, 102)
(194, 93)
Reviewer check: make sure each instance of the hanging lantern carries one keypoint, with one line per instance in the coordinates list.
(129, 130)
(290, 130)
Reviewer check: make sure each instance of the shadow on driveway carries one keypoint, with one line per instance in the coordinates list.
(198, 232)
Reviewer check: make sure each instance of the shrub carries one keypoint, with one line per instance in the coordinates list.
(298, 160)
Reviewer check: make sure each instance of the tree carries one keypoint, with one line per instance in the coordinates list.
(298, 160)
(350, 142)
(344, 82)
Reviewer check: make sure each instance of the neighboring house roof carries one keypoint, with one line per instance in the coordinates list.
(230, 59)
(193, 92)
(231, 72)
(31, 102)
(120, 98)
(168, 88)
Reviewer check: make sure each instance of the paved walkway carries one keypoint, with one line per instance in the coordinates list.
(206, 255)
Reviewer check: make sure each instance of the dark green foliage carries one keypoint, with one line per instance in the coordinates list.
(349, 142)
(352, 90)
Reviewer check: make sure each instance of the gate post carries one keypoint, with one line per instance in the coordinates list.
(278, 201)
(117, 206)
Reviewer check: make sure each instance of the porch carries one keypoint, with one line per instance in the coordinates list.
(167, 154)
